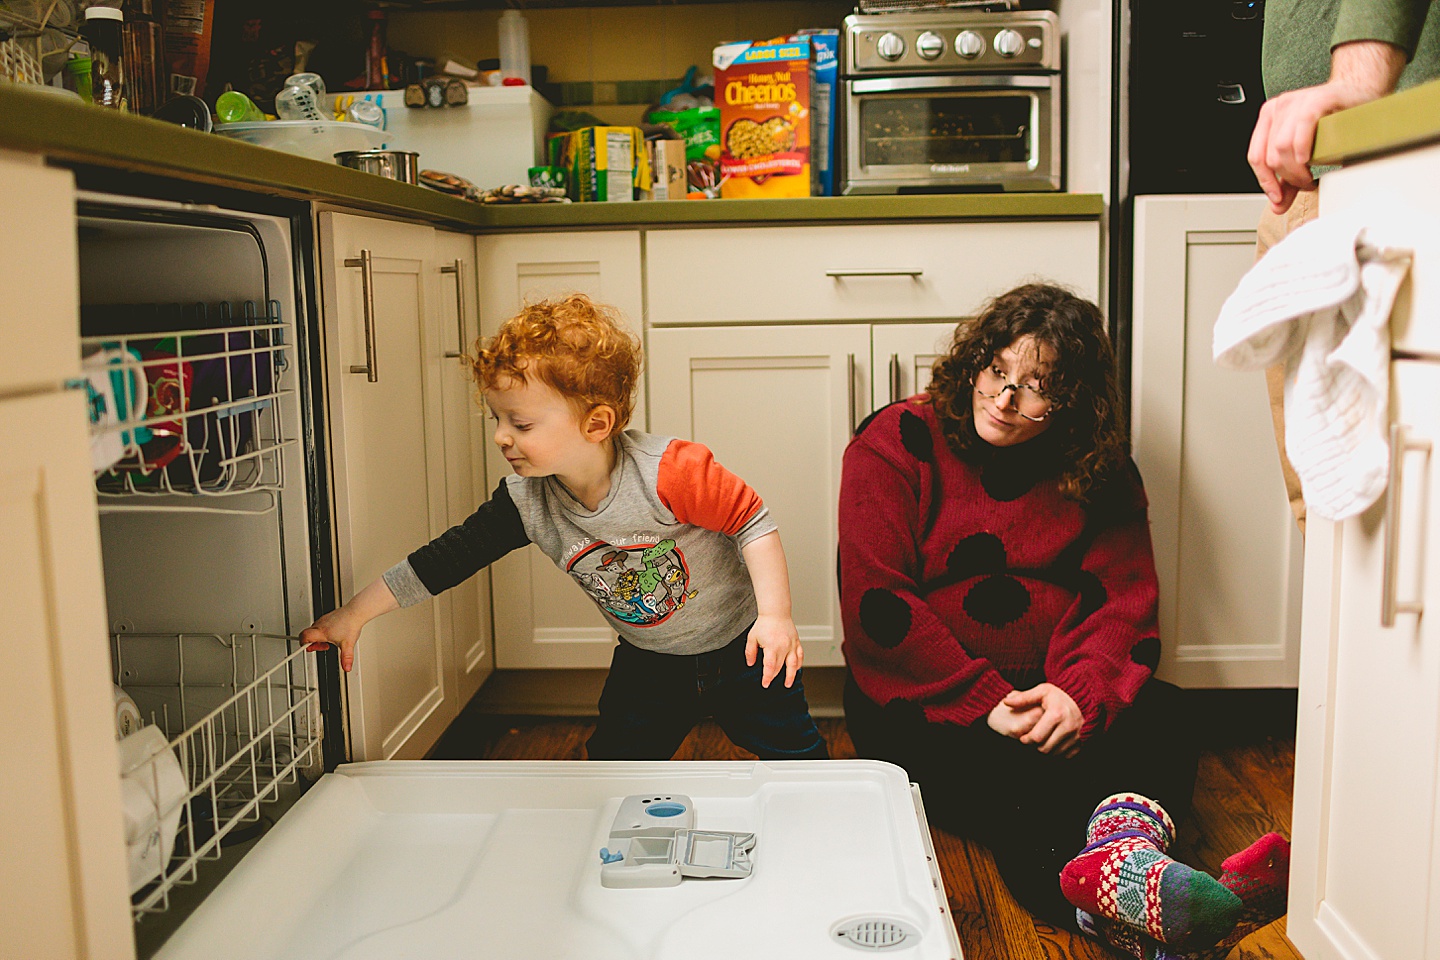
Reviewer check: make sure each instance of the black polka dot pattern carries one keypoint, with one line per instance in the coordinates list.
(997, 601)
(915, 436)
(976, 554)
(1008, 478)
(1147, 652)
(1092, 593)
(884, 617)
(904, 713)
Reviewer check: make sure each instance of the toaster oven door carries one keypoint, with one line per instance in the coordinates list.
(952, 134)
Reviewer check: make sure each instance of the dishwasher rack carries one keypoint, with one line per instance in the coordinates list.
(241, 712)
(197, 395)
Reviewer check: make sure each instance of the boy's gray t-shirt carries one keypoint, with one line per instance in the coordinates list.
(660, 556)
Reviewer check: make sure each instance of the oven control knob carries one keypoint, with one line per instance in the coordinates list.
(1008, 43)
(890, 46)
(969, 45)
(929, 45)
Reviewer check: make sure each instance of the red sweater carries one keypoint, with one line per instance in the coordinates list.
(961, 580)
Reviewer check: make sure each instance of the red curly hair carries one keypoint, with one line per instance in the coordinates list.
(572, 344)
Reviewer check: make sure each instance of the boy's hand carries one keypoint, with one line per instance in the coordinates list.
(336, 629)
(1011, 722)
(780, 641)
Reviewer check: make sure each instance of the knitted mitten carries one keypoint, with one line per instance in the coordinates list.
(1258, 875)
(1124, 874)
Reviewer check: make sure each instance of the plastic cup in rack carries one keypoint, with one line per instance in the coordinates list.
(367, 112)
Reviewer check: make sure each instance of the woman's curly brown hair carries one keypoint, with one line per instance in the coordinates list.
(1086, 432)
(572, 344)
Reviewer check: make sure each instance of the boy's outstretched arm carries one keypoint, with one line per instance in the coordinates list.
(774, 630)
(341, 628)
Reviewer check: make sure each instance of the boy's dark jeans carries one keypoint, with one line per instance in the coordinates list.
(651, 701)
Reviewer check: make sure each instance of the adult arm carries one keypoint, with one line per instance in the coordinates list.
(897, 647)
(1107, 645)
(1370, 46)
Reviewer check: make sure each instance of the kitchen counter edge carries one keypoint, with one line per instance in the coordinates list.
(74, 133)
(1388, 125)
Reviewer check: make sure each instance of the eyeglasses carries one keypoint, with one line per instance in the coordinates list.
(1030, 403)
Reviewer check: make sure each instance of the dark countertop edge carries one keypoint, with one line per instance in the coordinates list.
(75, 134)
(1388, 125)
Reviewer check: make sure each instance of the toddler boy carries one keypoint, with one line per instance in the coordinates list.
(679, 554)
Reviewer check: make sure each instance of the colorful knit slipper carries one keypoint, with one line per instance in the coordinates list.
(1124, 874)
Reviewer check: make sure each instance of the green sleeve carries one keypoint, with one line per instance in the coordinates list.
(1394, 21)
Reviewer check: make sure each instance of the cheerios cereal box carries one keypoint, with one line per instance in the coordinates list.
(763, 91)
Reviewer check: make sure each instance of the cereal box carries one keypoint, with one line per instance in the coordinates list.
(824, 98)
(763, 90)
(602, 163)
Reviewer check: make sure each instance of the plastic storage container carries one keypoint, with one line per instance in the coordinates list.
(514, 48)
(316, 139)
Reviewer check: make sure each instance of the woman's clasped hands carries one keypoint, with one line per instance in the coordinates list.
(1044, 717)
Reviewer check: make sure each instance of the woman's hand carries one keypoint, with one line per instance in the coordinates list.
(780, 640)
(1057, 730)
(1010, 722)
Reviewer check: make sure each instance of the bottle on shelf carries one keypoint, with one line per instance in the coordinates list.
(514, 49)
(144, 41)
(103, 31)
(375, 67)
(232, 106)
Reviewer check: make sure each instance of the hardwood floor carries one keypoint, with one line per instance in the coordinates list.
(1244, 790)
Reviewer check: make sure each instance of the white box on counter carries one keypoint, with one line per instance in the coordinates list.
(493, 140)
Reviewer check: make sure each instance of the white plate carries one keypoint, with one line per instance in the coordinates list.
(317, 139)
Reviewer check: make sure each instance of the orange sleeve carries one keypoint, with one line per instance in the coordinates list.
(701, 492)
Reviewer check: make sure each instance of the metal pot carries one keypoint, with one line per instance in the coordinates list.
(394, 164)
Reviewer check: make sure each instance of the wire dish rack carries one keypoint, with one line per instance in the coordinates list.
(241, 717)
(190, 410)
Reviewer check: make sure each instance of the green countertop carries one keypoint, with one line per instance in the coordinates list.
(1388, 125)
(75, 133)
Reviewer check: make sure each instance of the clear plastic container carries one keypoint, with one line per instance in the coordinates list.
(514, 46)
(103, 26)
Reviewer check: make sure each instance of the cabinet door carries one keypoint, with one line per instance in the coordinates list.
(777, 405)
(903, 356)
(39, 275)
(454, 329)
(63, 872)
(541, 619)
(385, 389)
(1368, 744)
(1227, 550)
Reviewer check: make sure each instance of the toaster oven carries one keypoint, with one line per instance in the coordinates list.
(947, 101)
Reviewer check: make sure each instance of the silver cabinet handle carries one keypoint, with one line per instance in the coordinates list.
(1390, 604)
(457, 268)
(895, 386)
(367, 282)
(850, 392)
(913, 273)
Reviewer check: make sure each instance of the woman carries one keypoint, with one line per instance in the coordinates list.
(999, 594)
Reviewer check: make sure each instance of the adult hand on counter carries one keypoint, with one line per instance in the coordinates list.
(1284, 135)
(1058, 719)
(341, 628)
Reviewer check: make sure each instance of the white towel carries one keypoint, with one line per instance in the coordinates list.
(1320, 302)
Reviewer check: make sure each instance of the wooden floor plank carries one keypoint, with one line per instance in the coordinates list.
(1243, 791)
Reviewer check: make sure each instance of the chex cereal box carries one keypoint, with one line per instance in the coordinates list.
(763, 91)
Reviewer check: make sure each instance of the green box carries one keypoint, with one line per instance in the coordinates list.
(602, 164)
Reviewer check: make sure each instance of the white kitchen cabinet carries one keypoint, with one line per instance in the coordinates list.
(454, 328)
(1367, 747)
(64, 871)
(903, 354)
(776, 405)
(541, 618)
(924, 271)
(386, 386)
(1227, 549)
